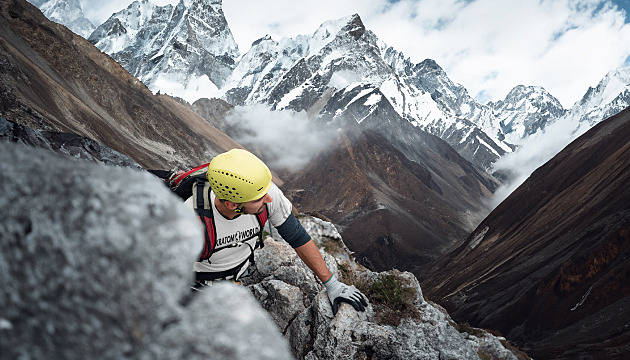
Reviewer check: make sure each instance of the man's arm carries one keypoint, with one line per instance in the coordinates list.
(293, 232)
(313, 259)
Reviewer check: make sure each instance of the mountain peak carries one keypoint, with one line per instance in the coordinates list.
(430, 64)
(68, 13)
(354, 26)
(264, 38)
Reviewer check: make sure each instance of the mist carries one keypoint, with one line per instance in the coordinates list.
(284, 139)
(535, 152)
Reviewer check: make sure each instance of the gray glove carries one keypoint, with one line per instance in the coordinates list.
(339, 292)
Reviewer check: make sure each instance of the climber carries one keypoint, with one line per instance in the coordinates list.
(234, 198)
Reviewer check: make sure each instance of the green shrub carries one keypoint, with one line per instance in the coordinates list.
(392, 298)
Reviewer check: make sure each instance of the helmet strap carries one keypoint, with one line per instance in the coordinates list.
(239, 209)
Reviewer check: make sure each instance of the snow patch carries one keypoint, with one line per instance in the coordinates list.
(196, 88)
(290, 96)
(373, 100)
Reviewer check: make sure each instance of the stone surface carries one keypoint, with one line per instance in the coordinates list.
(96, 263)
(302, 311)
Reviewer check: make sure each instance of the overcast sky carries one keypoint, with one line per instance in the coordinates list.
(489, 46)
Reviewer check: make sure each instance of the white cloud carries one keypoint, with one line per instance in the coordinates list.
(538, 149)
(284, 139)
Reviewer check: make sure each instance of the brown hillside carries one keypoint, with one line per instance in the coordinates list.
(52, 79)
(550, 266)
(392, 212)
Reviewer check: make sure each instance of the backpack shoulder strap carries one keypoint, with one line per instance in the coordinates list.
(262, 219)
(263, 216)
(206, 216)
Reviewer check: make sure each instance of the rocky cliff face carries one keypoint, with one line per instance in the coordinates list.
(549, 266)
(411, 329)
(108, 277)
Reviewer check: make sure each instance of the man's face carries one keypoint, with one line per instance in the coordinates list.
(256, 206)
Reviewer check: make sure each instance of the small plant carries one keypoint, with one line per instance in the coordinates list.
(351, 276)
(392, 298)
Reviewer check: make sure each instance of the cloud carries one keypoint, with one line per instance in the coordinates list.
(538, 150)
(284, 139)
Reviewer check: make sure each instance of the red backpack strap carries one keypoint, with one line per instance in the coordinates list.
(210, 234)
(177, 178)
(262, 219)
(207, 218)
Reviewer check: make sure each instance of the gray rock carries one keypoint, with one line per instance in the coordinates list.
(284, 287)
(95, 262)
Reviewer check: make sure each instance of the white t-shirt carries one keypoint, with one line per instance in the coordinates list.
(235, 231)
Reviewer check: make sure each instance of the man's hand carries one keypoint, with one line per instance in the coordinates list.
(339, 292)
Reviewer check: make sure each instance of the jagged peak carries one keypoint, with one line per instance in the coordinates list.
(522, 90)
(267, 37)
(354, 26)
(351, 24)
(430, 64)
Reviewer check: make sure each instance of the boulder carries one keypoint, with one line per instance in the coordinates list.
(96, 263)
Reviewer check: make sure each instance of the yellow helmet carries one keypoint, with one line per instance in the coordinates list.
(238, 176)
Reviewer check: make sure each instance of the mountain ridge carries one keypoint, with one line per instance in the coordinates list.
(481, 133)
(548, 267)
(46, 86)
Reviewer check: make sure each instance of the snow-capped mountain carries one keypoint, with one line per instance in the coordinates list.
(464, 123)
(318, 73)
(525, 110)
(186, 50)
(66, 12)
(608, 98)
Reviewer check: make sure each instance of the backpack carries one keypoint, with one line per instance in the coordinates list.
(187, 184)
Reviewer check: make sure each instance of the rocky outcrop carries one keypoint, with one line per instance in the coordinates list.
(286, 288)
(72, 145)
(98, 267)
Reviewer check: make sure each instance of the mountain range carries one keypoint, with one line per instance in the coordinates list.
(313, 72)
(402, 194)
